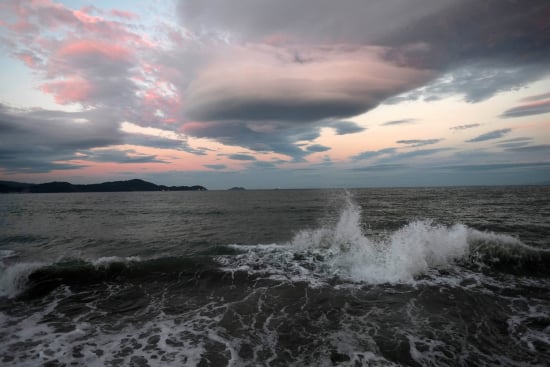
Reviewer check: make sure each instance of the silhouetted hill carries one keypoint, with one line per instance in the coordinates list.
(114, 186)
(10, 186)
(131, 185)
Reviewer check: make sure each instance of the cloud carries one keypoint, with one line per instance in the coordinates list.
(419, 142)
(476, 81)
(530, 148)
(265, 83)
(497, 166)
(263, 165)
(318, 21)
(537, 97)
(37, 140)
(373, 153)
(262, 75)
(415, 153)
(21, 165)
(473, 30)
(515, 142)
(399, 122)
(161, 142)
(481, 48)
(496, 134)
(118, 156)
(241, 157)
(381, 167)
(533, 108)
(215, 166)
(83, 57)
(346, 127)
(315, 148)
(464, 127)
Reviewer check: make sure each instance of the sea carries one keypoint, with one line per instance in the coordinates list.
(366, 277)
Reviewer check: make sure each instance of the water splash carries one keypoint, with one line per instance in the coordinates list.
(343, 250)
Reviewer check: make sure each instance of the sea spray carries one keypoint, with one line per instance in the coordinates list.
(344, 251)
(13, 278)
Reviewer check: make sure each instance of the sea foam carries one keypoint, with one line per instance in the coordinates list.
(343, 250)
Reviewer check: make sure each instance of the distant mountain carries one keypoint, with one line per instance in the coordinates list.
(114, 186)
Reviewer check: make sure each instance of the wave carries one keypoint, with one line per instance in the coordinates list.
(343, 251)
(35, 279)
(337, 252)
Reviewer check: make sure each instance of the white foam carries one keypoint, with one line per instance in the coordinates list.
(4, 254)
(343, 250)
(107, 260)
(13, 278)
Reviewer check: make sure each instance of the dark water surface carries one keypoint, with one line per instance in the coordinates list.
(370, 277)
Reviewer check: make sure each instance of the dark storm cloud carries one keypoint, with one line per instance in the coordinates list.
(399, 122)
(496, 134)
(508, 30)
(535, 108)
(346, 127)
(306, 20)
(419, 142)
(37, 140)
(482, 47)
(464, 127)
(51, 131)
(475, 49)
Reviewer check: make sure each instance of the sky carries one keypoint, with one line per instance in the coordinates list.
(276, 94)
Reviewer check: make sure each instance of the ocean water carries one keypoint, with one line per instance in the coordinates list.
(369, 277)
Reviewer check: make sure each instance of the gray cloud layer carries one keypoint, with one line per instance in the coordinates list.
(464, 127)
(472, 45)
(399, 122)
(418, 142)
(535, 108)
(495, 134)
(36, 140)
(355, 21)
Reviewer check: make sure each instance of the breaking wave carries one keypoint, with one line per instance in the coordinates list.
(35, 279)
(343, 251)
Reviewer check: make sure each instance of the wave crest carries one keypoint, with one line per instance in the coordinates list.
(344, 251)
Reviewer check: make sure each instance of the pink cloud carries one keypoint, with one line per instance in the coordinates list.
(299, 84)
(68, 91)
(29, 59)
(124, 14)
(90, 47)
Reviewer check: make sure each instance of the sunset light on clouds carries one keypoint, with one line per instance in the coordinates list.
(265, 94)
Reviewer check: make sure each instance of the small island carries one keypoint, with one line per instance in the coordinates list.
(114, 186)
(236, 188)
